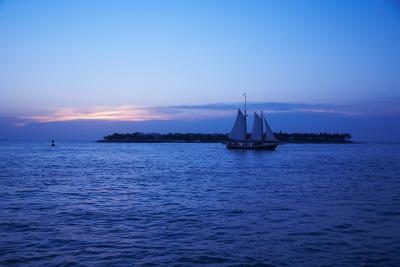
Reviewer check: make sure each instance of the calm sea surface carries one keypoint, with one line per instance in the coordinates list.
(85, 204)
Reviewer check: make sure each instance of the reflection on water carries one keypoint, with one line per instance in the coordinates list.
(185, 204)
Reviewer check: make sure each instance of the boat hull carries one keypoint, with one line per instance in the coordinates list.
(249, 146)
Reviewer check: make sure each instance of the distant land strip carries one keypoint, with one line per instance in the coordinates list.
(138, 137)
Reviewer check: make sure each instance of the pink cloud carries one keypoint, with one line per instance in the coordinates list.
(134, 113)
(120, 113)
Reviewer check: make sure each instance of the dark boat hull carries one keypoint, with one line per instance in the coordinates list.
(249, 146)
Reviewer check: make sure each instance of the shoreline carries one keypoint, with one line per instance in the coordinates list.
(210, 142)
(297, 138)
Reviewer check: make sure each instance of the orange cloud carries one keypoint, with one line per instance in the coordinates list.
(133, 113)
(121, 113)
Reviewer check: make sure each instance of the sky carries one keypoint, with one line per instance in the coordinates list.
(71, 69)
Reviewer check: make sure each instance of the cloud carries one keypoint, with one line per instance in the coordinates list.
(115, 113)
(383, 106)
(119, 113)
(374, 120)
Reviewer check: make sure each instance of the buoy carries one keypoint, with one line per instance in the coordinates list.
(52, 143)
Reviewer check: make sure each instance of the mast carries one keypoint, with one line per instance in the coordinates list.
(262, 125)
(245, 114)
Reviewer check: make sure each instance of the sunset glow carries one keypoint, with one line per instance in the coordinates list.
(123, 113)
(132, 113)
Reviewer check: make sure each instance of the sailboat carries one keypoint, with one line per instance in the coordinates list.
(261, 138)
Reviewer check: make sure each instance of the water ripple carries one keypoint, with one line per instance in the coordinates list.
(86, 204)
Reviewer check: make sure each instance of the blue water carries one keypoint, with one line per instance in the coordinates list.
(86, 204)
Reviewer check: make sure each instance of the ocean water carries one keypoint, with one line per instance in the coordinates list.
(92, 204)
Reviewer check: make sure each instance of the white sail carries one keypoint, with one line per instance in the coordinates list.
(269, 135)
(257, 132)
(239, 130)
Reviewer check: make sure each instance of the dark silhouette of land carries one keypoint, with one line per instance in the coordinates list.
(139, 137)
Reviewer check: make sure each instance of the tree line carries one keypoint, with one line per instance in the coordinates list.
(218, 137)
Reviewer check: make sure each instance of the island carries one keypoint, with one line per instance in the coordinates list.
(139, 137)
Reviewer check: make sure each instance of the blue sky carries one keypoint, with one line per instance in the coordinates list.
(62, 61)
